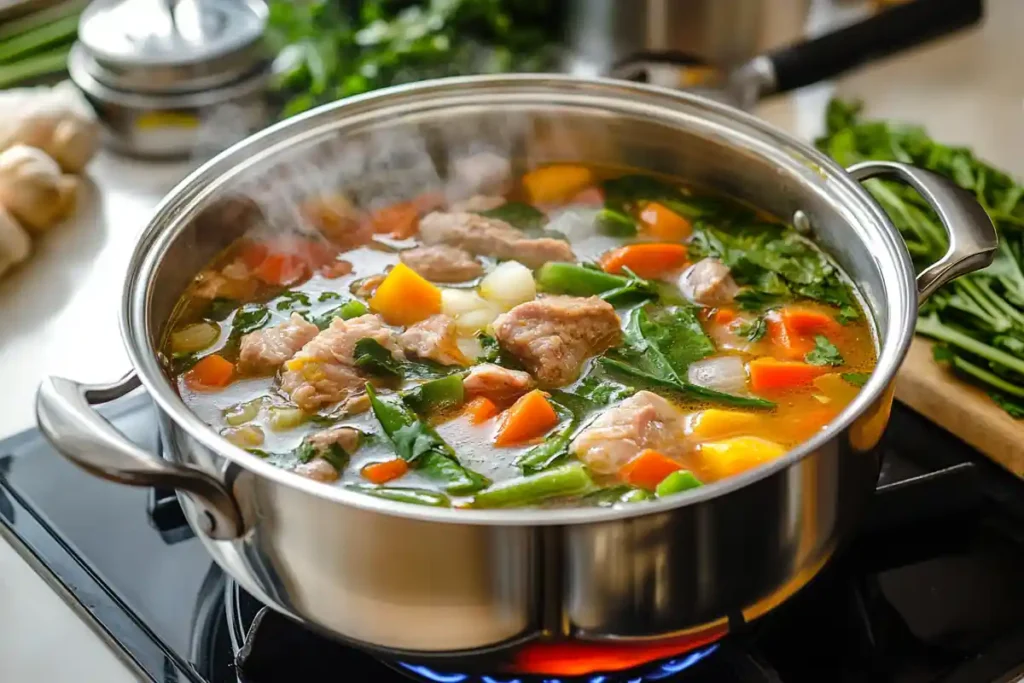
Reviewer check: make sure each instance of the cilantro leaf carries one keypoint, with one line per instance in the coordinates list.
(291, 300)
(753, 331)
(824, 352)
(249, 318)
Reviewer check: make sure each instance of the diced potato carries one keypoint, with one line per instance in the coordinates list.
(508, 285)
(247, 436)
(243, 412)
(470, 311)
(195, 337)
(731, 456)
(281, 418)
(715, 423)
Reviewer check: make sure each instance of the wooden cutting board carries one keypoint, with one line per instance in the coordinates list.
(960, 408)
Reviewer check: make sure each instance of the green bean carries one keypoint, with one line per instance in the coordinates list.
(677, 482)
(435, 395)
(569, 278)
(404, 495)
(566, 480)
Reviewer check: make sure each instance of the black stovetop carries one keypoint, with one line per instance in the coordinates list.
(931, 590)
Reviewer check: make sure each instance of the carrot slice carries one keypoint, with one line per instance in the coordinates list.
(529, 417)
(480, 409)
(807, 322)
(770, 374)
(401, 220)
(212, 372)
(787, 343)
(645, 259)
(648, 469)
(664, 223)
(405, 297)
(254, 254)
(724, 316)
(383, 472)
(282, 269)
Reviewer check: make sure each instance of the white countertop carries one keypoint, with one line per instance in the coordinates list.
(59, 313)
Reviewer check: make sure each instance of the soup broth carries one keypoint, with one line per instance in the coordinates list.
(580, 336)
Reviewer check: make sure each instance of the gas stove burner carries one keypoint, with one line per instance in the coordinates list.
(658, 671)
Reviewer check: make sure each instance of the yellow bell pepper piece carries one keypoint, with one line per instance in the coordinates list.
(405, 297)
(738, 454)
(556, 183)
(715, 423)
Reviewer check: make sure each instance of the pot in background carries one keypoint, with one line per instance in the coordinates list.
(174, 79)
(406, 579)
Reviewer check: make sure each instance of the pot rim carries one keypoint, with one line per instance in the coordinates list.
(198, 187)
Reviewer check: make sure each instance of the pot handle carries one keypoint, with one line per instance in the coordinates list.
(972, 237)
(79, 433)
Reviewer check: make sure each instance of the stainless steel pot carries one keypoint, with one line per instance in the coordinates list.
(405, 578)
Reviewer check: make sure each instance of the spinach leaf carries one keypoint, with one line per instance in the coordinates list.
(249, 318)
(750, 299)
(328, 296)
(220, 308)
(687, 389)
(572, 409)
(371, 357)
(519, 215)
(824, 352)
(677, 333)
(493, 353)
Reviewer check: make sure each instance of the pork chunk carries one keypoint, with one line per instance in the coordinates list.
(485, 236)
(436, 339)
(554, 335)
(263, 351)
(323, 370)
(441, 263)
(644, 420)
(708, 283)
(318, 469)
(478, 203)
(496, 383)
(346, 438)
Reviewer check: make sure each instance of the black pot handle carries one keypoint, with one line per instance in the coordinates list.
(889, 31)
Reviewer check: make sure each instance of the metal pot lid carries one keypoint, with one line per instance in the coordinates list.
(172, 45)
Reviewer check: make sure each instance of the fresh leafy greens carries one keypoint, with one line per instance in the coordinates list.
(857, 379)
(249, 318)
(753, 331)
(293, 300)
(976, 320)
(328, 49)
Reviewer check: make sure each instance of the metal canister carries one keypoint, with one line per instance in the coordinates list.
(174, 78)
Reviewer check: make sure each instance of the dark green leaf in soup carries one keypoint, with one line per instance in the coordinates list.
(677, 333)
(753, 331)
(857, 379)
(249, 318)
(292, 300)
(417, 443)
(374, 359)
(220, 308)
(519, 215)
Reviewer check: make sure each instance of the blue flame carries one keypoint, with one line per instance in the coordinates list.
(662, 671)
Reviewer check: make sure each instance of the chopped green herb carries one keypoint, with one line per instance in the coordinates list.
(249, 318)
(824, 352)
(291, 300)
(753, 331)
(372, 358)
(328, 296)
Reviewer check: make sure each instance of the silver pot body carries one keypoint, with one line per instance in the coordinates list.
(409, 579)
